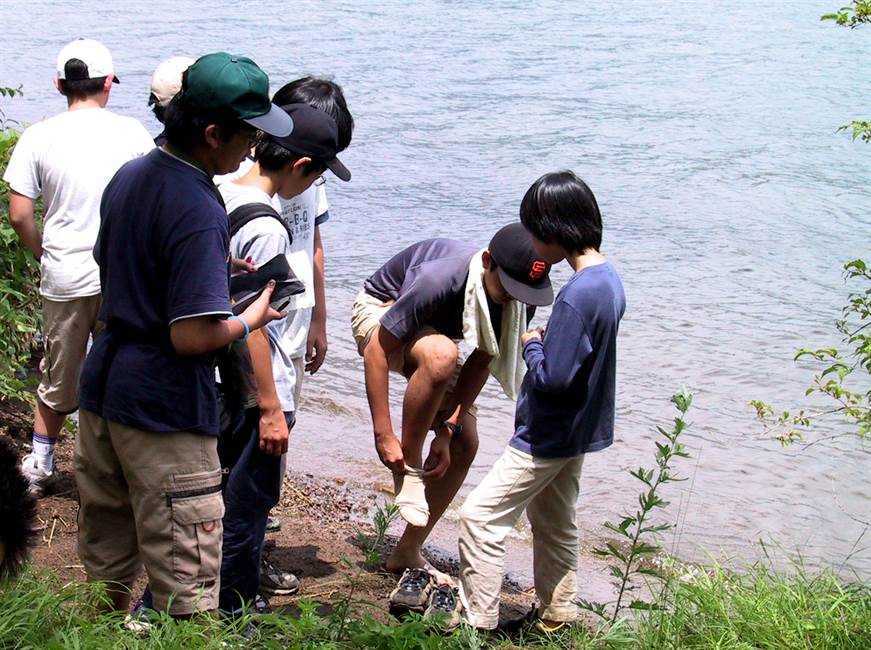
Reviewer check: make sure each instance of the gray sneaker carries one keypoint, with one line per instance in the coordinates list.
(412, 592)
(444, 606)
(275, 582)
(39, 479)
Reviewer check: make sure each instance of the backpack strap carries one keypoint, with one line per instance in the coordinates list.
(251, 211)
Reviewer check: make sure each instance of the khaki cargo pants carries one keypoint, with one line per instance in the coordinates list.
(154, 499)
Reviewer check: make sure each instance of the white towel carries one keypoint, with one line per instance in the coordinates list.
(507, 365)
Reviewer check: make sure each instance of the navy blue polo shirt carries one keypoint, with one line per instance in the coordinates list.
(163, 256)
(427, 281)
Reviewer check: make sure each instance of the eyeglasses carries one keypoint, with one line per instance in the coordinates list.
(254, 138)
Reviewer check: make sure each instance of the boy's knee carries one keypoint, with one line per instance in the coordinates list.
(440, 360)
(465, 445)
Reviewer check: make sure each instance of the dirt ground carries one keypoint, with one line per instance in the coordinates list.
(322, 521)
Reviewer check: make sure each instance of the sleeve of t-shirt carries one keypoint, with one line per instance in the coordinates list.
(421, 295)
(198, 283)
(261, 239)
(553, 364)
(141, 142)
(322, 206)
(22, 172)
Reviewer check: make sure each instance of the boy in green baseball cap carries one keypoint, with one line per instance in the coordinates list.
(146, 458)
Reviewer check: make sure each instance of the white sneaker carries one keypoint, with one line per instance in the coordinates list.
(39, 479)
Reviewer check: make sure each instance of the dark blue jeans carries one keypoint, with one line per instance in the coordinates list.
(251, 486)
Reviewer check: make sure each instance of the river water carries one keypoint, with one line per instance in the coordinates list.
(707, 132)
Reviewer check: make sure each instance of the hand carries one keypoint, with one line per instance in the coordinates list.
(534, 334)
(439, 459)
(273, 431)
(259, 312)
(390, 452)
(316, 347)
(243, 266)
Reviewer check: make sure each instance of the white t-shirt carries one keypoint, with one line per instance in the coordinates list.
(262, 239)
(304, 211)
(69, 159)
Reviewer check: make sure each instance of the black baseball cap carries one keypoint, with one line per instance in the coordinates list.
(524, 273)
(315, 134)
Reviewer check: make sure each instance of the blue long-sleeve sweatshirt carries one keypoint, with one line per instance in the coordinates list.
(566, 403)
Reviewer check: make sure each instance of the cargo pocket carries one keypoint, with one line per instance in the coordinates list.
(197, 509)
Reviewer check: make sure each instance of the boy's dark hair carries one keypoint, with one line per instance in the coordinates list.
(272, 156)
(77, 88)
(185, 124)
(323, 94)
(159, 111)
(559, 207)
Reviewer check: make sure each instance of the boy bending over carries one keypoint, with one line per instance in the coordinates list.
(408, 319)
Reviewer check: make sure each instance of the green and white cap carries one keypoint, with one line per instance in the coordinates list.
(236, 85)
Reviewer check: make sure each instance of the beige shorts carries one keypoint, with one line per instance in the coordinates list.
(366, 316)
(154, 499)
(67, 326)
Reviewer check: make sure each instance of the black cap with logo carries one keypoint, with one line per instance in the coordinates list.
(314, 134)
(524, 273)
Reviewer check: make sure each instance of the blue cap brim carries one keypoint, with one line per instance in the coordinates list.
(276, 122)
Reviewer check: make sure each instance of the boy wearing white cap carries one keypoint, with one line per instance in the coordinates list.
(165, 84)
(68, 159)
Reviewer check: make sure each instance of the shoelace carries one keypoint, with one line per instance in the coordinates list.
(444, 598)
(415, 580)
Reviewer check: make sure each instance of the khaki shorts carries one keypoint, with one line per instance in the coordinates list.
(153, 499)
(366, 316)
(67, 327)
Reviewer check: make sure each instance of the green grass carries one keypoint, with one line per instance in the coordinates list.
(712, 608)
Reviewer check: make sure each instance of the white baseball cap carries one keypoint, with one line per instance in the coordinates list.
(95, 56)
(166, 80)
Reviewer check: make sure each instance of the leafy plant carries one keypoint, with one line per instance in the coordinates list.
(852, 16)
(635, 530)
(839, 372)
(7, 92)
(19, 299)
(372, 544)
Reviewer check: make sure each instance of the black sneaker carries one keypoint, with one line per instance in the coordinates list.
(260, 606)
(444, 606)
(412, 592)
(275, 582)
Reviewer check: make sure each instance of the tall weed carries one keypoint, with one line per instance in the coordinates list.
(20, 316)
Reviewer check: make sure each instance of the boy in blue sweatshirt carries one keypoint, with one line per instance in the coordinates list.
(565, 409)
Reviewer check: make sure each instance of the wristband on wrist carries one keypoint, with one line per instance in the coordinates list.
(244, 324)
(455, 429)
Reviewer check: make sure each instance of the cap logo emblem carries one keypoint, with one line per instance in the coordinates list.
(537, 270)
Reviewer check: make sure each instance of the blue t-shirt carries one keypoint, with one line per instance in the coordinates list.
(428, 282)
(163, 252)
(566, 403)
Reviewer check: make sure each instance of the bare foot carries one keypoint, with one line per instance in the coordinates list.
(400, 560)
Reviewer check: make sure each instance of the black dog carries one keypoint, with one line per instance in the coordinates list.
(17, 513)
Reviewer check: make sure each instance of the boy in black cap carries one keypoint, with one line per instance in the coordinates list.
(146, 456)
(408, 319)
(284, 167)
(565, 410)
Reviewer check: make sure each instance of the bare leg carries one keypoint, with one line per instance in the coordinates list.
(47, 422)
(430, 363)
(439, 495)
(119, 596)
